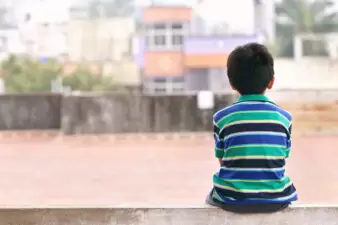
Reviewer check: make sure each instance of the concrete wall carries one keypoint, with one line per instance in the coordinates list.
(105, 113)
(132, 113)
(166, 216)
(112, 113)
(30, 112)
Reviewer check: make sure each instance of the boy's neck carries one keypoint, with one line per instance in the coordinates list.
(253, 94)
(253, 97)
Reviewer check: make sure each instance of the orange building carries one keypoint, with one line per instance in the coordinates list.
(175, 60)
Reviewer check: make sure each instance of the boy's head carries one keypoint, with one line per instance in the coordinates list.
(250, 69)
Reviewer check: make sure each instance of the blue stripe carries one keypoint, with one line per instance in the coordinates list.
(256, 139)
(244, 107)
(251, 175)
(253, 127)
(219, 144)
(259, 201)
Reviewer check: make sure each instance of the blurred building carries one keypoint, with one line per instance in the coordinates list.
(264, 17)
(42, 26)
(100, 39)
(228, 16)
(107, 42)
(176, 54)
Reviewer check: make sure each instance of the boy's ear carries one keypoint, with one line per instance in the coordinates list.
(270, 84)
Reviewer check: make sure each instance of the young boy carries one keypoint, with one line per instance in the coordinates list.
(252, 139)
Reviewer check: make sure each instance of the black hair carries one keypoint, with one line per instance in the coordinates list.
(250, 68)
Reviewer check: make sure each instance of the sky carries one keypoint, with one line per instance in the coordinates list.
(214, 10)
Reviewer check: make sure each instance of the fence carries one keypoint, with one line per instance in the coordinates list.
(126, 113)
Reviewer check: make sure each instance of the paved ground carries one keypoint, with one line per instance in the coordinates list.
(55, 172)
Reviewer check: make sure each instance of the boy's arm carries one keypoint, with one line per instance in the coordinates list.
(289, 142)
(219, 144)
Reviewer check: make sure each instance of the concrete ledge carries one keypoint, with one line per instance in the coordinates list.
(187, 215)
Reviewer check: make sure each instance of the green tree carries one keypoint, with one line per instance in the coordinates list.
(82, 79)
(304, 16)
(23, 75)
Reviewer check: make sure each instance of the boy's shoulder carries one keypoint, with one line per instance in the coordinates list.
(239, 107)
(284, 112)
(223, 112)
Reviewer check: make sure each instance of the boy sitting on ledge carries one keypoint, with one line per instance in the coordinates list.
(252, 139)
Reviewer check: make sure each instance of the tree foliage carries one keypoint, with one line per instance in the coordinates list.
(303, 16)
(24, 75)
(82, 79)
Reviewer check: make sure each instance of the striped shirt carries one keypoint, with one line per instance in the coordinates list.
(253, 139)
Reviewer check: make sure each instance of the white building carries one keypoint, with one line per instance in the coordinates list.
(100, 40)
(44, 34)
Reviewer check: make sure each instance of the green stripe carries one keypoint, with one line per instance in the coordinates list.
(216, 196)
(254, 97)
(219, 153)
(255, 150)
(253, 115)
(253, 185)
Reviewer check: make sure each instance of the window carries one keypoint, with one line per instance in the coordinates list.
(177, 40)
(164, 85)
(160, 40)
(178, 33)
(159, 90)
(160, 80)
(165, 36)
(178, 90)
(177, 27)
(159, 27)
(156, 36)
(156, 41)
(179, 79)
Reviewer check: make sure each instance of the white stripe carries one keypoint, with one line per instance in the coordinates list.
(252, 191)
(255, 103)
(252, 157)
(256, 133)
(254, 145)
(253, 169)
